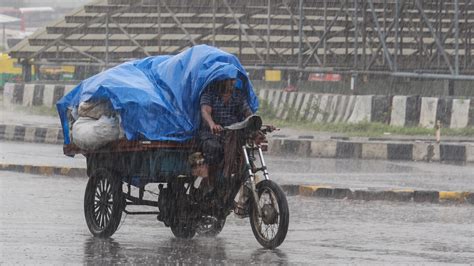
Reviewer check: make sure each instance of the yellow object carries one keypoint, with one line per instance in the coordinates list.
(272, 75)
(8, 66)
(452, 195)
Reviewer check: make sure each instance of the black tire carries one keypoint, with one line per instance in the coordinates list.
(211, 226)
(183, 230)
(103, 203)
(273, 217)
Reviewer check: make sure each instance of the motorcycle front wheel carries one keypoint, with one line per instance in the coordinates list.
(271, 226)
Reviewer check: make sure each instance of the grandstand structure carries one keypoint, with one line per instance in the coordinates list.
(409, 38)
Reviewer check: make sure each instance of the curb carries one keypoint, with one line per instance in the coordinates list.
(45, 170)
(381, 150)
(403, 195)
(31, 134)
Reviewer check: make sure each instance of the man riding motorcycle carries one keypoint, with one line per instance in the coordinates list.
(221, 105)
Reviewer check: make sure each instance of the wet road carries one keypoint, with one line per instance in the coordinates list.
(372, 174)
(41, 222)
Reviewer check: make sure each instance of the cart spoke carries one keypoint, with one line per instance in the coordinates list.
(100, 185)
(97, 192)
(96, 215)
(107, 216)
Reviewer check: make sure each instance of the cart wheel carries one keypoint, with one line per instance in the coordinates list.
(183, 230)
(271, 227)
(103, 203)
(211, 226)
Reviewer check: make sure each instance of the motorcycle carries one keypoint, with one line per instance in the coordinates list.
(119, 169)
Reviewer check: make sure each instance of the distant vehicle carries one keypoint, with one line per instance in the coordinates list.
(30, 17)
(10, 71)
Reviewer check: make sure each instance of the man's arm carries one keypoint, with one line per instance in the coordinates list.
(206, 112)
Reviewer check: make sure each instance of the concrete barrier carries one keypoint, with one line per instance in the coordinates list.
(345, 149)
(332, 108)
(429, 106)
(362, 109)
(471, 114)
(48, 95)
(38, 96)
(341, 108)
(374, 150)
(470, 153)
(282, 105)
(381, 108)
(18, 91)
(28, 93)
(298, 105)
(263, 95)
(460, 113)
(314, 107)
(291, 108)
(350, 108)
(276, 99)
(399, 111)
(323, 149)
(423, 151)
(443, 111)
(399, 151)
(8, 91)
(34, 94)
(453, 152)
(322, 109)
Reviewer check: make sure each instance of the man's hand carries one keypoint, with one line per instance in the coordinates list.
(216, 128)
(206, 111)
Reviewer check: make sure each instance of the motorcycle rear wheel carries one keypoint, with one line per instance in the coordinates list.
(271, 227)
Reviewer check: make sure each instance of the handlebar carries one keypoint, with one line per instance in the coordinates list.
(265, 129)
(268, 129)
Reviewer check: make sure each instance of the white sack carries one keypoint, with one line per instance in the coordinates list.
(91, 134)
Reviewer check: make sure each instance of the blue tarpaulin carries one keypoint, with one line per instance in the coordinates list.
(157, 97)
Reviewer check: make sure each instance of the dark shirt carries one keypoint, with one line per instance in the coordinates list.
(223, 114)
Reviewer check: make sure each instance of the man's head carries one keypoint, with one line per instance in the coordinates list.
(226, 86)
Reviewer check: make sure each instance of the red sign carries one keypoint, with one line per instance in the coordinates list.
(324, 77)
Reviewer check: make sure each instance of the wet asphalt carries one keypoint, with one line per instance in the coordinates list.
(372, 174)
(41, 222)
